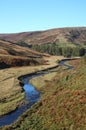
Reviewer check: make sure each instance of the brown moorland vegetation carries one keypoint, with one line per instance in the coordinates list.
(73, 35)
(12, 55)
(11, 93)
(63, 102)
(10, 48)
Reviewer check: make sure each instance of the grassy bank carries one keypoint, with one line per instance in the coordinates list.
(63, 102)
(11, 93)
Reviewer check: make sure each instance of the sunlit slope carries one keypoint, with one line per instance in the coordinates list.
(73, 35)
(63, 103)
(14, 55)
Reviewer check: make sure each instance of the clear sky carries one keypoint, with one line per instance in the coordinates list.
(33, 15)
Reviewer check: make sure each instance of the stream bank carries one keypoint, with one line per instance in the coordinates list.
(32, 95)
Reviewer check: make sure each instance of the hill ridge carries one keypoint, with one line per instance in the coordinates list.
(66, 35)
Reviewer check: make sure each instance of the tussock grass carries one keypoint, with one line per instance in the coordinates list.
(11, 93)
(7, 61)
(63, 104)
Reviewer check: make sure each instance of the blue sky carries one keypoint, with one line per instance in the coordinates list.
(33, 15)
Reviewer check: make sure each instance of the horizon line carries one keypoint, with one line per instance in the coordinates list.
(43, 29)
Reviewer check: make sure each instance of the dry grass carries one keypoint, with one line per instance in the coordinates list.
(63, 104)
(10, 91)
(46, 78)
(9, 48)
(7, 61)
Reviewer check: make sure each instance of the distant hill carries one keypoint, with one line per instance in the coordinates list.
(73, 35)
(24, 44)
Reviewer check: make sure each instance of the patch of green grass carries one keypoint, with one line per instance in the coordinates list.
(11, 104)
(39, 82)
(66, 44)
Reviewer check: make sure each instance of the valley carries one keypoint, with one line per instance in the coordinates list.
(63, 99)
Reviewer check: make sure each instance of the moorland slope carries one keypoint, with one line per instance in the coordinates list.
(73, 35)
(12, 55)
(63, 102)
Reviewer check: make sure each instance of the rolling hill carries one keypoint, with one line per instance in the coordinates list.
(73, 35)
(12, 55)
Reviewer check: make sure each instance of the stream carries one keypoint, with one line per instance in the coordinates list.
(31, 95)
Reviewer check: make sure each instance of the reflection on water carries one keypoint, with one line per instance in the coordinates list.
(31, 92)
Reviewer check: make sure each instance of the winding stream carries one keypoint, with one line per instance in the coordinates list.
(62, 62)
(31, 94)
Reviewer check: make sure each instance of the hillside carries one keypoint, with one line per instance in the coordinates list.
(14, 55)
(71, 35)
(9, 48)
